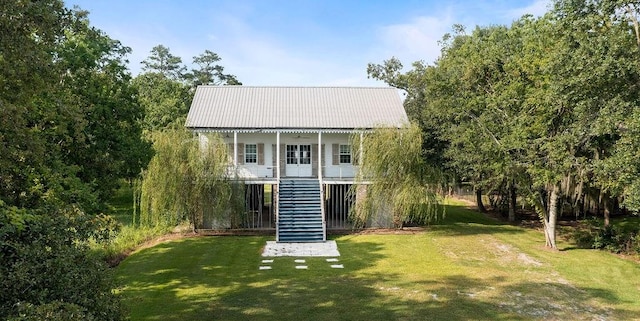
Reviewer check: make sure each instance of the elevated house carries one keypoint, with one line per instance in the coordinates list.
(291, 148)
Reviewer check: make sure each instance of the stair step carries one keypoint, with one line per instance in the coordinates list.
(302, 210)
(302, 207)
(300, 240)
(300, 216)
(300, 229)
(295, 216)
(301, 237)
(307, 237)
(302, 225)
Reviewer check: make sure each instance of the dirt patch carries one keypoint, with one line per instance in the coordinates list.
(384, 231)
(527, 260)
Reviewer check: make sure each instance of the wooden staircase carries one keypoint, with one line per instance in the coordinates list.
(299, 211)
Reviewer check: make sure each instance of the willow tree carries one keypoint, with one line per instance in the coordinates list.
(187, 181)
(394, 177)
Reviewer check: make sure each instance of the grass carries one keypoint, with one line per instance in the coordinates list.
(121, 205)
(130, 235)
(467, 267)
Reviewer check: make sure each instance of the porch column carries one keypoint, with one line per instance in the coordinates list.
(278, 155)
(320, 155)
(322, 209)
(235, 149)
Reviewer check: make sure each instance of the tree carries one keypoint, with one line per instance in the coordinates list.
(403, 183)
(209, 72)
(165, 101)
(70, 127)
(546, 106)
(166, 94)
(163, 62)
(607, 81)
(110, 146)
(188, 181)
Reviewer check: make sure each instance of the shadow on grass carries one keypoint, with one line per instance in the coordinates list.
(468, 298)
(217, 278)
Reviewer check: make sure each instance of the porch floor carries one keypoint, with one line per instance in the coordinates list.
(320, 249)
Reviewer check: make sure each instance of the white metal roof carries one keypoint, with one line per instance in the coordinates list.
(246, 107)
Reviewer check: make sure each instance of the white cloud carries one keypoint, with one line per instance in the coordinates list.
(537, 8)
(415, 40)
(258, 58)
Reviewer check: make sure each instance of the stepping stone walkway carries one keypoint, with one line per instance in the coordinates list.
(298, 264)
(321, 249)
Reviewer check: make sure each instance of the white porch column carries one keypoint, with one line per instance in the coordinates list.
(235, 149)
(320, 155)
(322, 209)
(278, 155)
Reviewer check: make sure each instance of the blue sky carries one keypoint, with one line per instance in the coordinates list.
(306, 43)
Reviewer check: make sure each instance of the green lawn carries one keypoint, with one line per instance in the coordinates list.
(121, 205)
(466, 268)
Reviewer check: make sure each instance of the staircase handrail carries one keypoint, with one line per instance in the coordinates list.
(277, 209)
(322, 210)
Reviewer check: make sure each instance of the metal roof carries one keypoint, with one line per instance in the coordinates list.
(242, 107)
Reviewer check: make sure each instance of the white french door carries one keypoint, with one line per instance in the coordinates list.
(298, 161)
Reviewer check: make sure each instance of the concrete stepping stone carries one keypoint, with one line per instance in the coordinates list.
(300, 261)
(265, 268)
(332, 260)
(267, 261)
(337, 266)
(301, 267)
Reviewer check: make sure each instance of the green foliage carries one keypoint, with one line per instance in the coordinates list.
(165, 101)
(128, 239)
(546, 106)
(165, 90)
(47, 268)
(209, 72)
(402, 183)
(68, 122)
(162, 61)
(614, 238)
(54, 311)
(187, 181)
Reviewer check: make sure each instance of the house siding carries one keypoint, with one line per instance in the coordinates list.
(265, 168)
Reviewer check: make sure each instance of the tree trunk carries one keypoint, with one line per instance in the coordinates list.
(512, 202)
(607, 213)
(481, 207)
(604, 200)
(552, 219)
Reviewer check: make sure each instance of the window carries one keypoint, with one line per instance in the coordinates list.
(250, 153)
(305, 154)
(292, 151)
(345, 154)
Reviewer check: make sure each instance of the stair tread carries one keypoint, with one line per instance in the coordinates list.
(300, 213)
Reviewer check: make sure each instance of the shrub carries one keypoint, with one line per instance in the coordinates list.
(54, 311)
(612, 238)
(47, 267)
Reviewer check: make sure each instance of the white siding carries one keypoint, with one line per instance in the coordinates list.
(255, 171)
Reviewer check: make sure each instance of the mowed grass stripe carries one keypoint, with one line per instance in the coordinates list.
(467, 268)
